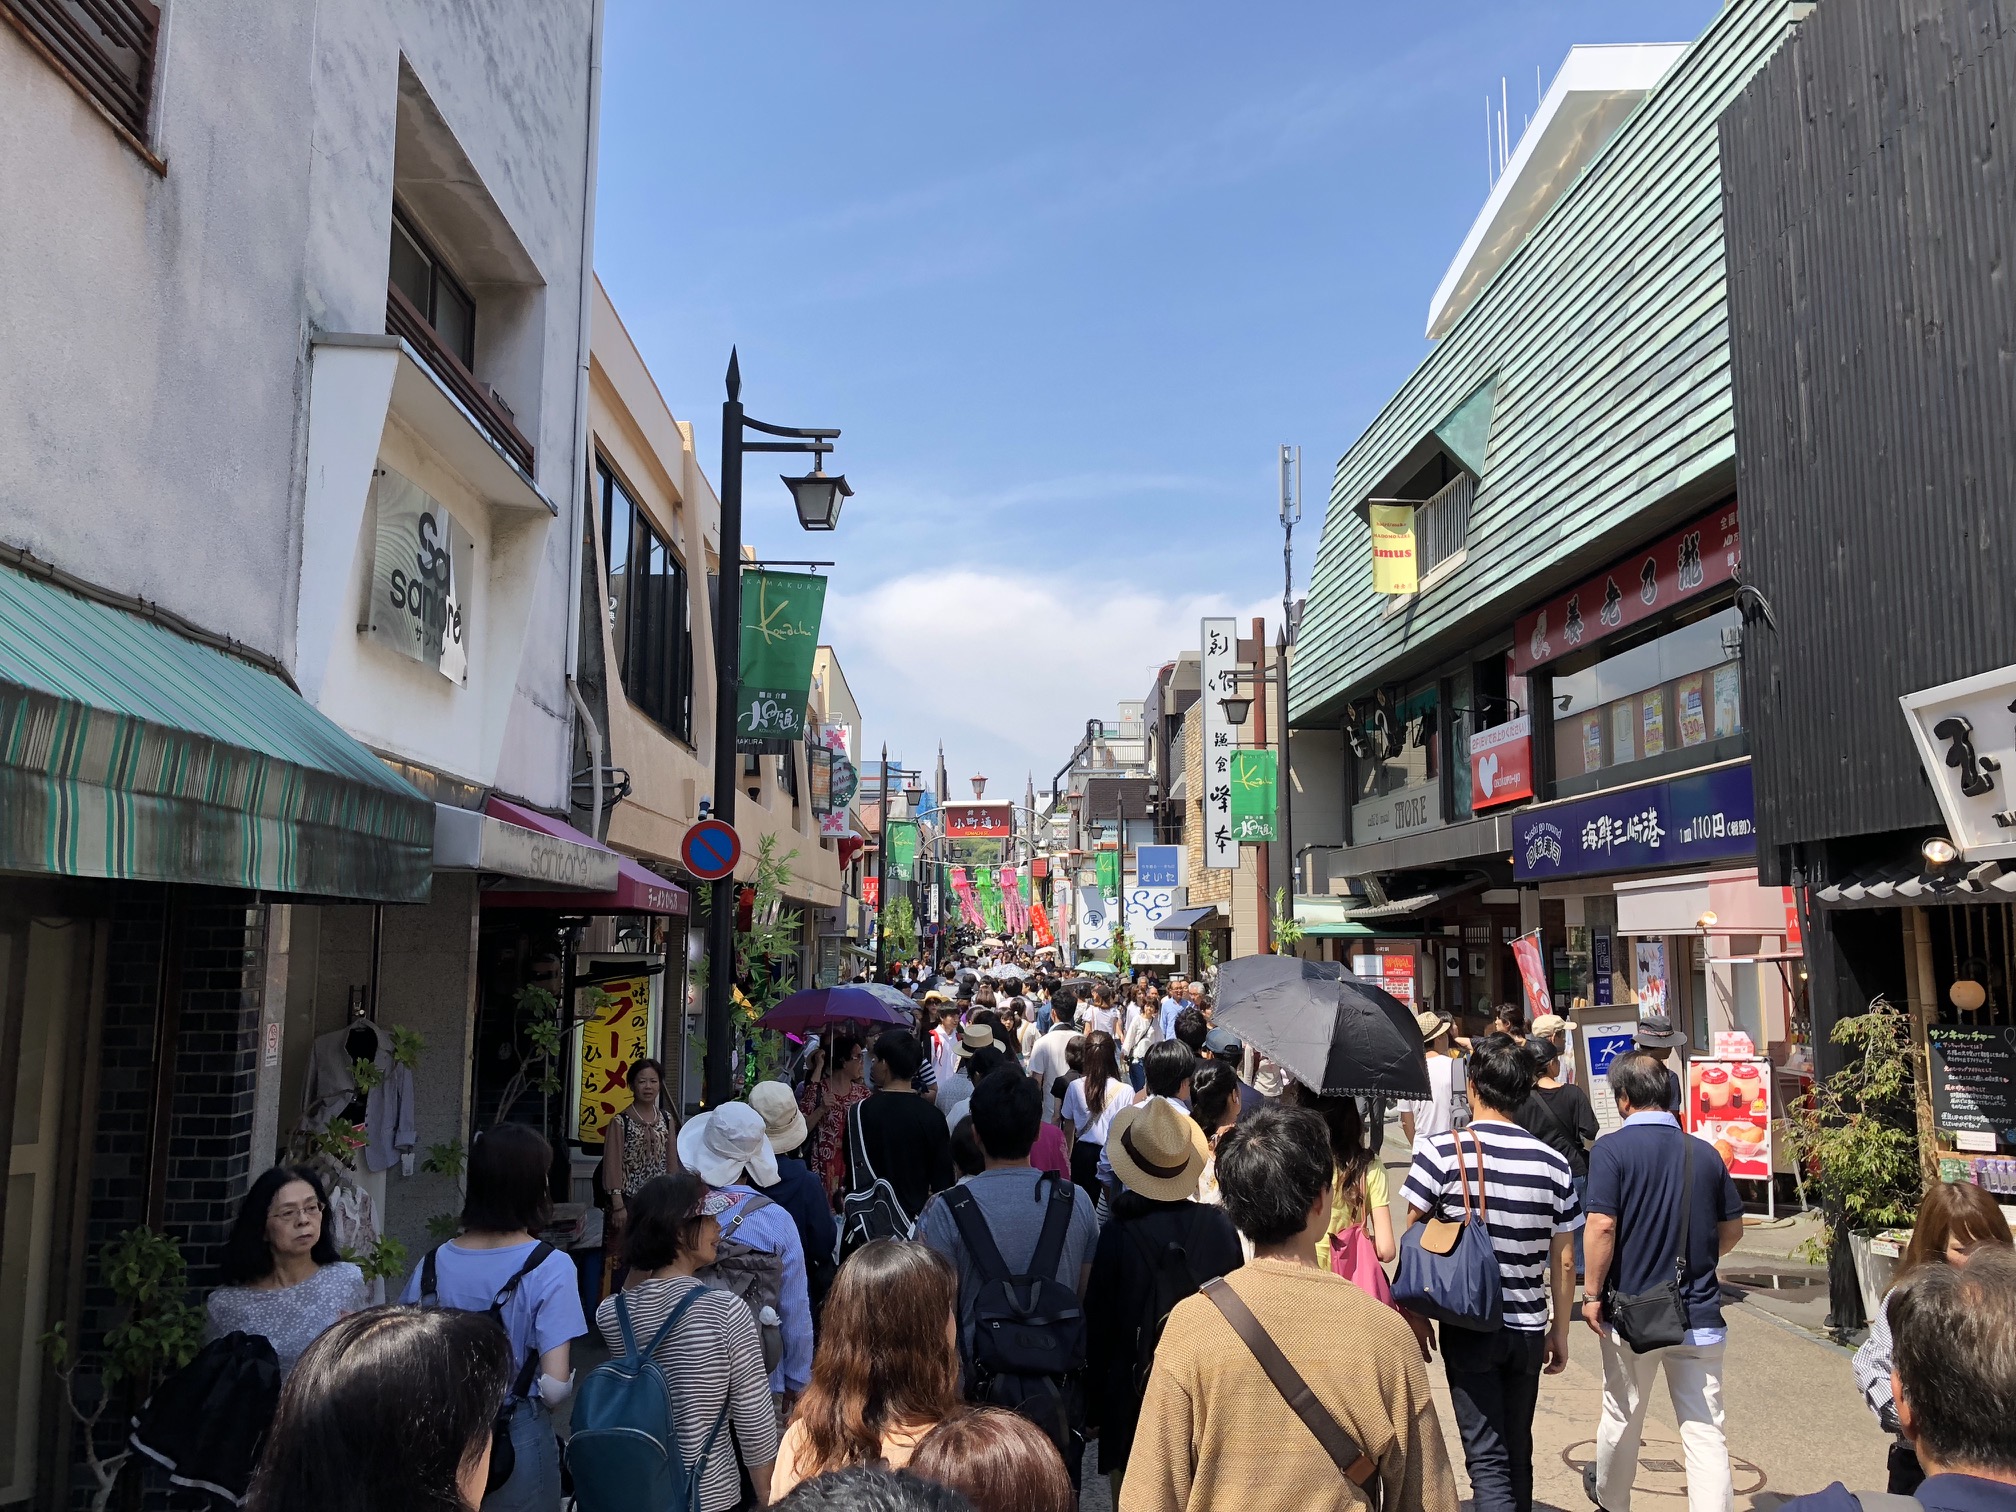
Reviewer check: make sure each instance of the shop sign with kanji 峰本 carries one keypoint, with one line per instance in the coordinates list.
(614, 1039)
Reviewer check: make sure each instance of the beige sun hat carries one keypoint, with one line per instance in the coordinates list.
(975, 1037)
(1430, 1025)
(1157, 1149)
(783, 1120)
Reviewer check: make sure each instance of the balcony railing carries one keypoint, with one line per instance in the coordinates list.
(1442, 524)
(106, 47)
(402, 319)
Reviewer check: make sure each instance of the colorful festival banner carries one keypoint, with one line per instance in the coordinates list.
(969, 906)
(780, 634)
(1011, 898)
(902, 850)
(1039, 923)
(991, 906)
(615, 1039)
(1253, 797)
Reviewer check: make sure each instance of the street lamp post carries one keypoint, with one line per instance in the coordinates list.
(817, 497)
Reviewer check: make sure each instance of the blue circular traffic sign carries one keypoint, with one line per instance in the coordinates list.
(711, 849)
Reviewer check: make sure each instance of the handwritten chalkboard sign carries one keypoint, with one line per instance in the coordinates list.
(1974, 1082)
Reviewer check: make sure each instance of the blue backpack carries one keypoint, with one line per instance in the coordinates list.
(623, 1452)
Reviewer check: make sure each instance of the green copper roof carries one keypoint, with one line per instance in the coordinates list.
(129, 751)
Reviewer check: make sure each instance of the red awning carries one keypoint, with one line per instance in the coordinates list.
(638, 888)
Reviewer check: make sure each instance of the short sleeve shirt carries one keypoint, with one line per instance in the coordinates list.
(545, 1311)
(1013, 1200)
(1634, 1177)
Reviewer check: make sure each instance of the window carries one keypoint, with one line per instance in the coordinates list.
(1669, 703)
(103, 48)
(1442, 524)
(435, 293)
(650, 610)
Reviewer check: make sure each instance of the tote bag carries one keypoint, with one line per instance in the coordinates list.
(1448, 1270)
(1353, 1256)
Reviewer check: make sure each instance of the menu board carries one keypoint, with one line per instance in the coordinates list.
(1728, 699)
(1654, 723)
(1693, 712)
(1974, 1084)
(1624, 730)
(1729, 1105)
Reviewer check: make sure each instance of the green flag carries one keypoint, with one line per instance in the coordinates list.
(1108, 871)
(988, 889)
(902, 849)
(1252, 797)
(780, 633)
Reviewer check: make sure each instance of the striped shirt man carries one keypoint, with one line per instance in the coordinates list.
(1529, 1197)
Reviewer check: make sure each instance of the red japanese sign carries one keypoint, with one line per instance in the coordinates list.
(979, 821)
(1686, 563)
(1039, 921)
(1501, 763)
(871, 891)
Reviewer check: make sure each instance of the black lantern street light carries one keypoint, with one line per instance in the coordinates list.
(817, 497)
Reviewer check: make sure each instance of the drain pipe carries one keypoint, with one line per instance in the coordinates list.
(583, 467)
(594, 733)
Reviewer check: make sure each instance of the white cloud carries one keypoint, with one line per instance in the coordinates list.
(1007, 666)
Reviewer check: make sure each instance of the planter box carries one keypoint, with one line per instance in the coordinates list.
(1876, 1258)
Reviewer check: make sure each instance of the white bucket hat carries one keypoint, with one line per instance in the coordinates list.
(724, 1142)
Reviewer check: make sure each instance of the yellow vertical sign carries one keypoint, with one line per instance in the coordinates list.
(614, 1040)
(1393, 549)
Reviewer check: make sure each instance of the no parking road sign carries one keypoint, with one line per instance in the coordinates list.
(710, 850)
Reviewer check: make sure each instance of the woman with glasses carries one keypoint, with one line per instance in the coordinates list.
(281, 1277)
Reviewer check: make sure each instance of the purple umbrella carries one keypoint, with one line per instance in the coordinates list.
(826, 1005)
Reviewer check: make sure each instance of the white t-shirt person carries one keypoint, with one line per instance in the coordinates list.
(1084, 1123)
(1436, 1114)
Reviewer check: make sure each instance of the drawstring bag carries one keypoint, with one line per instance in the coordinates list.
(1448, 1270)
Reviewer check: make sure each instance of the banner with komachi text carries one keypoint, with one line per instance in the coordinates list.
(780, 635)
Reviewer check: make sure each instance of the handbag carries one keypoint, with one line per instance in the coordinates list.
(1352, 1462)
(1448, 1270)
(1657, 1319)
(870, 1210)
(1353, 1257)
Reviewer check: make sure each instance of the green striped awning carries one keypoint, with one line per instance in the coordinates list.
(129, 751)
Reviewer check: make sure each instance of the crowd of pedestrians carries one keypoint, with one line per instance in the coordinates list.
(942, 1263)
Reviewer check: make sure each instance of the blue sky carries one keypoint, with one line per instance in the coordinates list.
(1065, 276)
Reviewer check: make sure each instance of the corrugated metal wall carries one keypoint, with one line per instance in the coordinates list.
(1608, 337)
(1871, 208)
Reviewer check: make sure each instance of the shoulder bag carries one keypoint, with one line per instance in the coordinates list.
(1448, 1269)
(1657, 1319)
(1352, 1462)
(871, 1209)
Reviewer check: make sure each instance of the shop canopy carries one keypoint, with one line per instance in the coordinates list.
(1179, 923)
(637, 889)
(1329, 917)
(130, 751)
(1416, 903)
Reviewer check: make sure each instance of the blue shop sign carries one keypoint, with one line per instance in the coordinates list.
(1157, 865)
(1707, 818)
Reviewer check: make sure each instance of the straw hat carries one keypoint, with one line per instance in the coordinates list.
(725, 1142)
(782, 1119)
(975, 1037)
(1157, 1149)
(1430, 1025)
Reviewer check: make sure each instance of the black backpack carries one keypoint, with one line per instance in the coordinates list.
(1028, 1330)
(206, 1423)
(1169, 1265)
(503, 1458)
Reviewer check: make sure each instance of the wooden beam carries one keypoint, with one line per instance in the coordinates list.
(1922, 995)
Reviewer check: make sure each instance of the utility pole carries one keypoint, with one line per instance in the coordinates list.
(1291, 516)
(1266, 928)
(717, 1017)
(882, 869)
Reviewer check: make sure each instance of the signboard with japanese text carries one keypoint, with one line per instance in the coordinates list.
(1039, 924)
(1393, 556)
(1729, 1106)
(871, 890)
(1600, 986)
(1690, 561)
(1974, 1084)
(1501, 763)
(617, 1035)
(780, 634)
(1682, 821)
(979, 821)
(1095, 921)
(1149, 903)
(819, 778)
(1219, 679)
(1253, 797)
(422, 562)
(1158, 865)
(1966, 737)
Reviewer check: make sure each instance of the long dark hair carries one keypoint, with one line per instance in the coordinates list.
(1348, 1150)
(383, 1413)
(1102, 1065)
(1214, 1087)
(883, 1360)
(247, 1255)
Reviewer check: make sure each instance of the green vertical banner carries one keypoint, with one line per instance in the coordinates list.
(1108, 871)
(780, 634)
(991, 907)
(902, 850)
(1252, 797)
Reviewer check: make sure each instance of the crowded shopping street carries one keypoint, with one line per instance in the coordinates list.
(1370, 866)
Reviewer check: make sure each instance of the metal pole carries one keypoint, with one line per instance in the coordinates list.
(882, 869)
(1285, 787)
(717, 1022)
(1259, 716)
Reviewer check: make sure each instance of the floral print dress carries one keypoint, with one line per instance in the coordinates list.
(829, 1132)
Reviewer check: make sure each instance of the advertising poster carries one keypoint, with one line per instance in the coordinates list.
(1728, 700)
(1654, 724)
(1729, 1105)
(1606, 1042)
(614, 1039)
(1651, 977)
(1393, 549)
(421, 566)
(1592, 741)
(1396, 975)
(1624, 730)
(1533, 974)
(1693, 711)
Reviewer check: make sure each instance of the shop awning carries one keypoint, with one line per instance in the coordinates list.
(130, 751)
(1180, 922)
(1897, 884)
(637, 889)
(1331, 918)
(1418, 903)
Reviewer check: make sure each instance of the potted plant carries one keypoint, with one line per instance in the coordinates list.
(1855, 1135)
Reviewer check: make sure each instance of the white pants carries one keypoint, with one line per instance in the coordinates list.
(1694, 1382)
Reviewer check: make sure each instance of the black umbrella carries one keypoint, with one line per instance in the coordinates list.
(1327, 1029)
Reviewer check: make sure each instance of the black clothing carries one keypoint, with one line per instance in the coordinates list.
(1150, 1256)
(1561, 1118)
(908, 1145)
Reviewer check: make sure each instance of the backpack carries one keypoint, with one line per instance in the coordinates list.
(503, 1458)
(870, 1209)
(1028, 1330)
(206, 1423)
(624, 1450)
(755, 1275)
(1169, 1265)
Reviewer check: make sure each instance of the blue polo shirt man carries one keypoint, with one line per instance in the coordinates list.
(1633, 1236)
